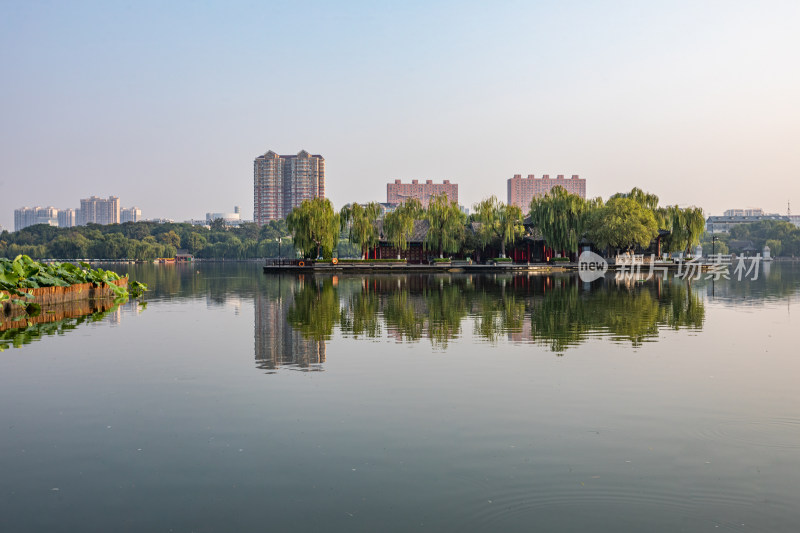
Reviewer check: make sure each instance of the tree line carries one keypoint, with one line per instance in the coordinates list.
(148, 241)
(783, 239)
(625, 221)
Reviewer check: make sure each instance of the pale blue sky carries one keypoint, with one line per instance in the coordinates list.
(166, 104)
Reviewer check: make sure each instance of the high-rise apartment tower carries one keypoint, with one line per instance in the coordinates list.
(96, 210)
(282, 182)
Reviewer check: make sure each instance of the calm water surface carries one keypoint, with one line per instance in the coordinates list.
(235, 401)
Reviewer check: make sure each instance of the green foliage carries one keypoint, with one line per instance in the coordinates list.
(719, 245)
(146, 241)
(446, 232)
(644, 199)
(360, 222)
(314, 226)
(398, 225)
(775, 247)
(25, 273)
(760, 232)
(561, 218)
(170, 238)
(622, 223)
(498, 222)
(686, 227)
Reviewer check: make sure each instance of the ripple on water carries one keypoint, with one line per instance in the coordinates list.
(777, 432)
(607, 497)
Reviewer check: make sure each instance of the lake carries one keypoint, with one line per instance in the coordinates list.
(231, 400)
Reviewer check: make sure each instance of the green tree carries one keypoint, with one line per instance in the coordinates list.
(218, 224)
(314, 226)
(498, 221)
(196, 242)
(360, 222)
(446, 232)
(398, 225)
(561, 217)
(170, 238)
(644, 199)
(70, 246)
(622, 223)
(689, 223)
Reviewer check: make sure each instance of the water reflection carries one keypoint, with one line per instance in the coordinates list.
(56, 320)
(288, 330)
(775, 281)
(295, 319)
(569, 314)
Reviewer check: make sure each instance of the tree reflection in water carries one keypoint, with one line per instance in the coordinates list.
(557, 311)
(633, 311)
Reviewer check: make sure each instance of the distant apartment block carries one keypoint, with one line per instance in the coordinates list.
(93, 210)
(398, 192)
(750, 212)
(795, 219)
(96, 210)
(724, 224)
(30, 216)
(282, 182)
(132, 214)
(522, 190)
(67, 218)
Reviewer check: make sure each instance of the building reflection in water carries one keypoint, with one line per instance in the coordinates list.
(277, 343)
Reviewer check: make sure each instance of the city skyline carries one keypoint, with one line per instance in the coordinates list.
(694, 103)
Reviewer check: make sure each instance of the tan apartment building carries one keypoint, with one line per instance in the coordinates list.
(398, 192)
(282, 182)
(522, 190)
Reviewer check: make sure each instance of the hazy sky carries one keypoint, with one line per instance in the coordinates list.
(166, 104)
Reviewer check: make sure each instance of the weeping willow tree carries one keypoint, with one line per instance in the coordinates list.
(498, 221)
(360, 222)
(561, 217)
(446, 232)
(314, 226)
(685, 225)
(694, 223)
(398, 226)
(644, 199)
